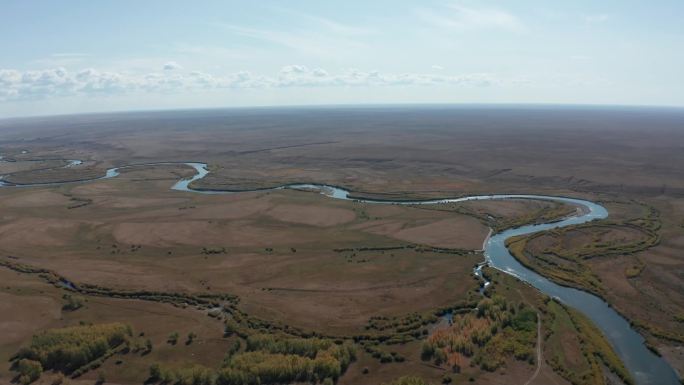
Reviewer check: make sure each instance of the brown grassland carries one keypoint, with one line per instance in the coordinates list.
(254, 279)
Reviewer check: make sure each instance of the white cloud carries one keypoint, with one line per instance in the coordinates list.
(460, 17)
(437, 67)
(171, 66)
(56, 82)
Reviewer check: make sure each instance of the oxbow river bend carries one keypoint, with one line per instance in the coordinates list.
(646, 367)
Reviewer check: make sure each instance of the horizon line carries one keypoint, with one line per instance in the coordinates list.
(347, 105)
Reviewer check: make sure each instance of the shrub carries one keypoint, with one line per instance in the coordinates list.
(173, 338)
(427, 351)
(29, 370)
(72, 303)
(230, 328)
(155, 372)
(191, 337)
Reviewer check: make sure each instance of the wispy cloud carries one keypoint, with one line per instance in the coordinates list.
(325, 23)
(172, 66)
(318, 44)
(313, 34)
(457, 16)
(216, 52)
(596, 18)
(56, 82)
(61, 59)
(70, 54)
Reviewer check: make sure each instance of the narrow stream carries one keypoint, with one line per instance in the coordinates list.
(646, 367)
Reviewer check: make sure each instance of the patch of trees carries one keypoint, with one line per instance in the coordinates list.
(399, 330)
(193, 375)
(268, 359)
(73, 349)
(488, 335)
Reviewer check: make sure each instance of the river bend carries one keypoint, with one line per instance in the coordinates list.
(646, 367)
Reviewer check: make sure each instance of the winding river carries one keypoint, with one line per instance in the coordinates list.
(646, 367)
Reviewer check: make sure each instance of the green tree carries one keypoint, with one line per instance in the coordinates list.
(29, 370)
(191, 337)
(173, 338)
(155, 372)
(70, 348)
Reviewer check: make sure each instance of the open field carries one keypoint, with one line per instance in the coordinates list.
(299, 263)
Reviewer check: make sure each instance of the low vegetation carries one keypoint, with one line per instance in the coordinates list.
(72, 350)
(71, 302)
(408, 380)
(487, 337)
(268, 359)
(552, 211)
(554, 254)
(579, 351)
(555, 211)
(29, 370)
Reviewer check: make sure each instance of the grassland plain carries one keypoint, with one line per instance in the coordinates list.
(306, 261)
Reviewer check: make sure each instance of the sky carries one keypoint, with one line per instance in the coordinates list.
(63, 57)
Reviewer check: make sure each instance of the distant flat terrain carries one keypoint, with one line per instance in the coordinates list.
(295, 260)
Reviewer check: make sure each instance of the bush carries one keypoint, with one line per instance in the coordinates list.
(29, 370)
(230, 328)
(427, 351)
(173, 338)
(191, 337)
(72, 303)
(155, 372)
(525, 320)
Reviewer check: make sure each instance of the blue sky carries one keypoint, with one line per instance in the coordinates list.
(85, 56)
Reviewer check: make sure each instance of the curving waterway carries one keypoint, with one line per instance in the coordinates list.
(646, 367)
